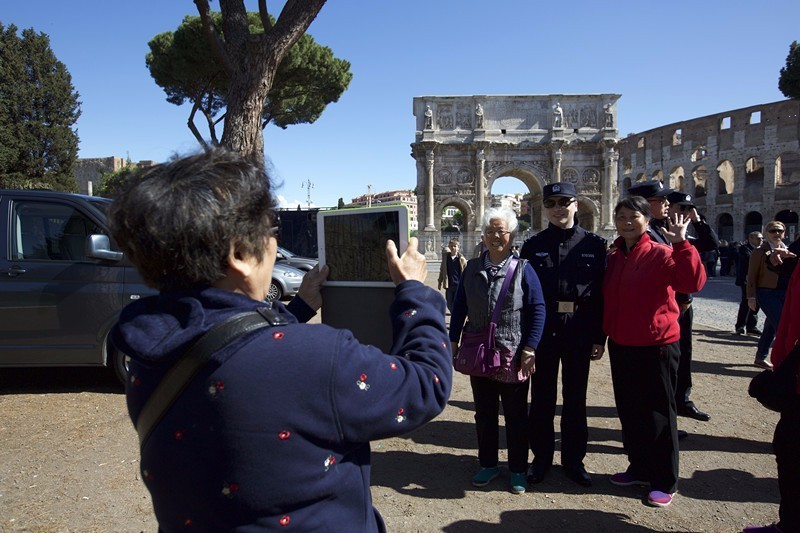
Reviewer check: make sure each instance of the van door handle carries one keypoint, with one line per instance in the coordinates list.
(14, 271)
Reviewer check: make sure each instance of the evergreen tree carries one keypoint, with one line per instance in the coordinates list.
(789, 81)
(38, 111)
(184, 65)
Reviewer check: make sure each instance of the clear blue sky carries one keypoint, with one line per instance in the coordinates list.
(670, 61)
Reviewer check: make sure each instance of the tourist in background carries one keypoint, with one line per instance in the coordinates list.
(518, 333)
(746, 318)
(453, 264)
(570, 263)
(640, 317)
(766, 289)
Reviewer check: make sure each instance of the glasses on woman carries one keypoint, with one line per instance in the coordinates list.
(497, 233)
(775, 230)
(561, 202)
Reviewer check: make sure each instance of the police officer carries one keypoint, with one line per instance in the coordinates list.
(570, 263)
(702, 237)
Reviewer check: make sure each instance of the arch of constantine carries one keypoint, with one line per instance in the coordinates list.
(465, 143)
(742, 166)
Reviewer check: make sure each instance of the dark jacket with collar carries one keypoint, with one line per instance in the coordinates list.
(275, 430)
(570, 265)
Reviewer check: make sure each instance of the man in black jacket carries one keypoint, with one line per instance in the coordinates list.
(746, 318)
(570, 263)
(704, 239)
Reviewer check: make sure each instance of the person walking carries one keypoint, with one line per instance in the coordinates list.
(746, 318)
(766, 288)
(640, 317)
(453, 264)
(570, 263)
(518, 332)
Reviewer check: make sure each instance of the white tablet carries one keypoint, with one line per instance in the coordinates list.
(352, 242)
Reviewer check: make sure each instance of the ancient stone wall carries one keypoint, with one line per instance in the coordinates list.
(743, 166)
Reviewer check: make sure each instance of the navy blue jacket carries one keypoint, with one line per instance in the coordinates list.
(275, 430)
(570, 265)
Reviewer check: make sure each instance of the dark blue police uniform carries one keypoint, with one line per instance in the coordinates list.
(570, 264)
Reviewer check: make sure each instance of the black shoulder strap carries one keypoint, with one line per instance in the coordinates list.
(196, 357)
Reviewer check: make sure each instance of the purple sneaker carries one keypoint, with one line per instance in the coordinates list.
(656, 498)
(625, 479)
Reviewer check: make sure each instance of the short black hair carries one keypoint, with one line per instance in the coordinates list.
(635, 203)
(177, 221)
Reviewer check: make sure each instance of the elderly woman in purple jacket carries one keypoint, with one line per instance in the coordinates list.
(274, 431)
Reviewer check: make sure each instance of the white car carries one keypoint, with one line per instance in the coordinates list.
(285, 281)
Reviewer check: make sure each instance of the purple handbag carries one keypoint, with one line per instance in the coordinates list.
(478, 355)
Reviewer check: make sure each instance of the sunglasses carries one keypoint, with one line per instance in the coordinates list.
(775, 230)
(562, 202)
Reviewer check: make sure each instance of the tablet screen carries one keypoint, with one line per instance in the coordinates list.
(352, 242)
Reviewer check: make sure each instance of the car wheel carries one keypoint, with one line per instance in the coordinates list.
(275, 292)
(118, 361)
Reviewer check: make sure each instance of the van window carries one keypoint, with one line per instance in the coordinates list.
(50, 232)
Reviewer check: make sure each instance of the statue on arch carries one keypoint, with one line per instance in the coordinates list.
(609, 122)
(428, 117)
(558, 116)
(479, 117)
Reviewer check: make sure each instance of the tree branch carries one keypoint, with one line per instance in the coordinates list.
(193, 128)
(264, 14)
(294, 20)
(214, 40)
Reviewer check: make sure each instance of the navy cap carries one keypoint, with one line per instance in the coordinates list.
(680, 198)
(649, 189)
(561, 188)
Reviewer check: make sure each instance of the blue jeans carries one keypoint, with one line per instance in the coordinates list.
(771, 302)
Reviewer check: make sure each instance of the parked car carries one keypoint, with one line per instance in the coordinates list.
(303, 263)
(63, 281)
(285, 281)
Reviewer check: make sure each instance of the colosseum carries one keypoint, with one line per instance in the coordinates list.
(742, 166)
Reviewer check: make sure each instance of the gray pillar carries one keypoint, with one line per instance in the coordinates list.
(429, 225)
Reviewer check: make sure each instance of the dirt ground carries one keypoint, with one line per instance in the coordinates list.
(69, 461)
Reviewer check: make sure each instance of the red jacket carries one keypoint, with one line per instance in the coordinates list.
(639, 290)
(789, 328)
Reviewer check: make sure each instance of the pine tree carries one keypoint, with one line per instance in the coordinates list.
(38, 111)
(789, 81)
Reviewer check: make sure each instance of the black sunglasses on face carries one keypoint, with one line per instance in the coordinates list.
(562, 202)
(776, 230)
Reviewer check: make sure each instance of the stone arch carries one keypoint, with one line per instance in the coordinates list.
(725, 226)
(626, 184)
(787, 168)
(700, 175)
(726, 181)
(753, 173)
(466, 236)
(676, 178)
(790, 220)
(530, 178)
(658, 175)
(588, 213)
(753, 221)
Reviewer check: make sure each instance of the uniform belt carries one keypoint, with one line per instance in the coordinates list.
(565, 307)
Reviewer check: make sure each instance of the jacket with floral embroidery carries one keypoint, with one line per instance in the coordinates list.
(275, 431)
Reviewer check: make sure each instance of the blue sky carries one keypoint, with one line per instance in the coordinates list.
(670, 61)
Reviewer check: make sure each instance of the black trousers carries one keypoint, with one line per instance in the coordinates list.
(684, 384)
(487, 395)
(544, 391)
(644, 392)
(786, 445)
(745, 318)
